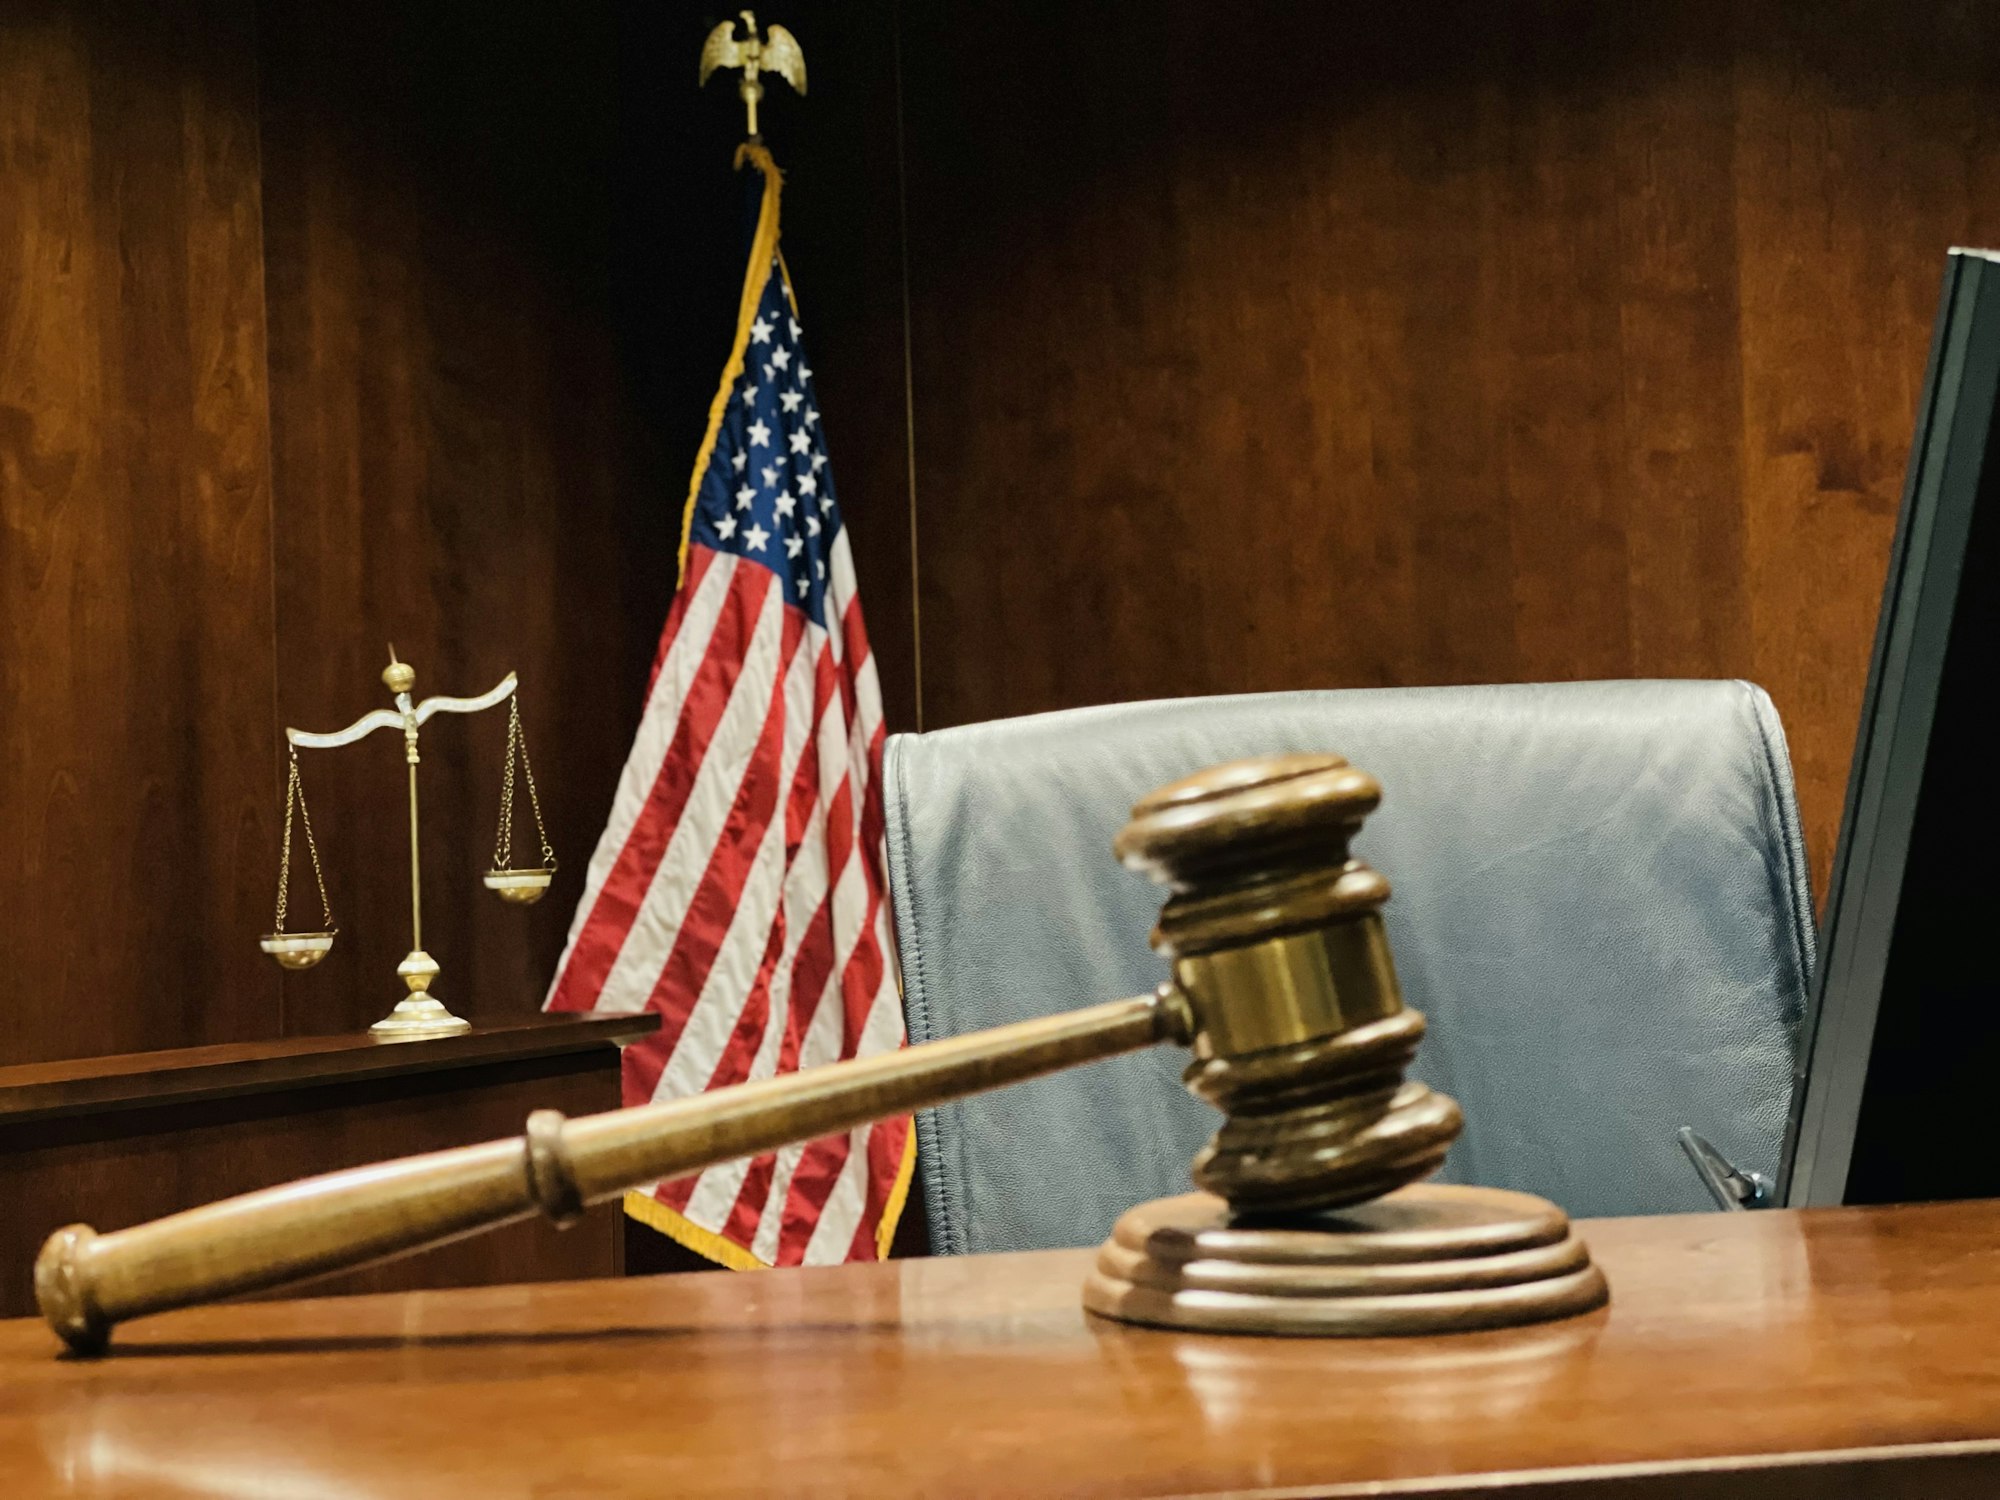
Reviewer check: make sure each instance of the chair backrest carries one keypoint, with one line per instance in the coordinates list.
(1601, 905)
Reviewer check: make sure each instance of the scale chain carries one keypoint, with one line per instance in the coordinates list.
(503, 844)
(295, 791)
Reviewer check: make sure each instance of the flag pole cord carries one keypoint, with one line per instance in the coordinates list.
(909, 382)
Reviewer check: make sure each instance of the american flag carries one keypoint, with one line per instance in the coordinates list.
(738, 888)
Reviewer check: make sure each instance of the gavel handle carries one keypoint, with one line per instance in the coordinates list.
(86, 1282)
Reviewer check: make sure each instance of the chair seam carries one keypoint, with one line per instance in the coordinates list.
(917, 987)
(1791, 840)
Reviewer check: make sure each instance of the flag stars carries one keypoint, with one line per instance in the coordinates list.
(787, 502)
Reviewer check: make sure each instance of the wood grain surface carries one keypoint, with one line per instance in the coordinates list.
(1838, 1353)
(1271, 346)
(137, 748)
(1258, 347)
(457, 464)
(320, 329)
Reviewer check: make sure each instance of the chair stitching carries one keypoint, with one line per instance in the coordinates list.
(937, 1190)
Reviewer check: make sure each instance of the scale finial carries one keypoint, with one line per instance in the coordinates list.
(778, 52)
(398, 676)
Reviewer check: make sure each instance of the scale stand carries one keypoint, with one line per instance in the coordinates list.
(419, 1013)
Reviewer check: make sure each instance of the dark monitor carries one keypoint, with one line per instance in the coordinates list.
(1897, 1100)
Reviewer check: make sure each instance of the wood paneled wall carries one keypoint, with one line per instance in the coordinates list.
(323, 327)
(455, 459)
(1247, 347)
(136, 733)
(1273, 346)
(307, 343)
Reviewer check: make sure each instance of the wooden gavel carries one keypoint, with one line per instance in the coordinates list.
(1283, 987)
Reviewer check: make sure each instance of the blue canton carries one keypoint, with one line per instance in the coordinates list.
(767, 495)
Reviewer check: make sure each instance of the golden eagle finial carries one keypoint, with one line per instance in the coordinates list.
(778, 52)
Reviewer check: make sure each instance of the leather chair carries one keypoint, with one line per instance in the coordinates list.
(1601, 905)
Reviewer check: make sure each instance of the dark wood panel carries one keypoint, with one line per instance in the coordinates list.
(1840, 1353)
(1868, 142)
(456, 464)
(1567, 342)
(126, 1166)
(843, 242)
(136, 746)
(500, 261)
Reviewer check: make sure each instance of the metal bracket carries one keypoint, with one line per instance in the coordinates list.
(1732, 1188)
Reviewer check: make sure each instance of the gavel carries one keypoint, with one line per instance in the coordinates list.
(1311, 1215)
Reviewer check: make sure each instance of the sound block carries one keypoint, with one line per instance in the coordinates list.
(1430, 1258)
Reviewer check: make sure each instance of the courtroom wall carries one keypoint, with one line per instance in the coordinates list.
(136, 658)
(1275, 346)
(1164, 348)
(323, 327)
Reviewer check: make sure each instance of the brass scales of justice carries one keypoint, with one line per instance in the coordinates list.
(419, 1013)
(1312, 1216)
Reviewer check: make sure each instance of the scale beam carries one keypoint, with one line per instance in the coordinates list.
(389, 718)
(368, 723)
(441, 705)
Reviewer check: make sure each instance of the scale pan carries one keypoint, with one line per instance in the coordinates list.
(297, 950)
(522, 887)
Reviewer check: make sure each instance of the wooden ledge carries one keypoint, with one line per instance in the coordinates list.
(133, 1080)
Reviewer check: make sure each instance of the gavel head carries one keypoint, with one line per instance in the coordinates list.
(1275, 934)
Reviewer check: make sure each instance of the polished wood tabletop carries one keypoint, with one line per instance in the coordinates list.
(1846, 1352)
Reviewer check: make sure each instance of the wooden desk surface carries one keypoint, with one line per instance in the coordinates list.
(1790, 1336)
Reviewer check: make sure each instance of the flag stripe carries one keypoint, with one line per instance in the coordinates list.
(710, 909)
(698, 567)
(645, 790)
(732, 1014)
(657, 880)
(767, 1043)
